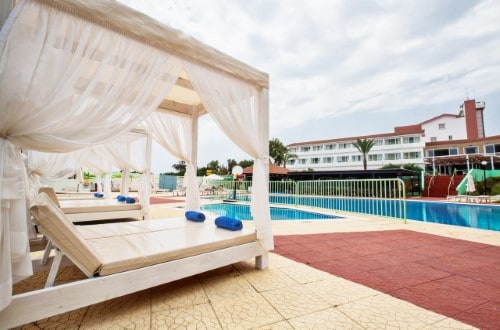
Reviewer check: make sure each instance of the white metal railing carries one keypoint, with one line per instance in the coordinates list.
(381, 197)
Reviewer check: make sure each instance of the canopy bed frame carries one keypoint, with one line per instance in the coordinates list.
(79, 73)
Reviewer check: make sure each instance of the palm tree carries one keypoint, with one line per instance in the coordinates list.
(279, 152)
(364, 146)
(289, 156)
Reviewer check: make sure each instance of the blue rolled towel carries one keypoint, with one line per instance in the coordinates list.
(228, 223)
(130, 200)
(98, 195)
(195, 216)
(121, 198)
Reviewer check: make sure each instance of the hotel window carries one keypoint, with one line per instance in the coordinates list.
(305, 149)
(315, 160)
(442, 126)
(411, 155)
(392, 141)
(393, 156)
(317, 148)
(375, 157)
(453, 151)
(327, 159)
(302, 161)
(344, 145)
(293, 149)
(342, 159)
(430, 153)
(492, 149)
(470, 150)
(291, 162)
(411, 139)
(378, 142)
(433, 139)
(329, 146)
(356, 158)
(450, 137)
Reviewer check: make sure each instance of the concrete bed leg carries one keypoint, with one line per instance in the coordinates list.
(262, 261)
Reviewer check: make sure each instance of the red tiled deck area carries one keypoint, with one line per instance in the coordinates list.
(162, 200)
(456, 278)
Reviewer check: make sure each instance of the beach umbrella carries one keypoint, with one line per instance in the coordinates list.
(470, 184)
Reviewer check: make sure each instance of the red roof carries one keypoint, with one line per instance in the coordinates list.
(273, 169)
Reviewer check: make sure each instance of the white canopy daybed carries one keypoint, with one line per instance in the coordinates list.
(78, 73)
(131, 151)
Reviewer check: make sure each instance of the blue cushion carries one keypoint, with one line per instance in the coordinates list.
(195, 216)
(130, 200)
(98, 195)
(228, 223)
(121, 198)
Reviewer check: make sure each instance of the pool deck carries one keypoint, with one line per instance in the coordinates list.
(316, 291)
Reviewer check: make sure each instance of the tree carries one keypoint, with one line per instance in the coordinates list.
(214, 166)
(364, 146)
(279, 152)
(246, 163)
(289, 156)
(230, 164)
(180, 167)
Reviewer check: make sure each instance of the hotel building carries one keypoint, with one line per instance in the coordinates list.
(443, 138)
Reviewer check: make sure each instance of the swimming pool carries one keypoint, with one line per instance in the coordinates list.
(464, 215)
(242, 212)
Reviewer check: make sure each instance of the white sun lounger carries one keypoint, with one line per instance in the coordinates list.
(121, 258)
(81, 210)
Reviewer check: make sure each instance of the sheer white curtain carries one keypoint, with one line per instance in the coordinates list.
(130, 152)
(174, 132)
(65, 84)
(51, 166)
(238, 108)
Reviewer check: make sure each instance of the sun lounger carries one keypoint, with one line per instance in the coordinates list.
(481, 199)
(81, 210)
(458, 198)
(121, 258)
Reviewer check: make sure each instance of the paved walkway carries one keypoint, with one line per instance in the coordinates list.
(456, 278)
(288, 295)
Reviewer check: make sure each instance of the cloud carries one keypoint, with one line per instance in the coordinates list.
(331, 60)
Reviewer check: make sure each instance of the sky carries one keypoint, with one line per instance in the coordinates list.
(342, 68)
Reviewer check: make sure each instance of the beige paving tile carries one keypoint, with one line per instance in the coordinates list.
(295, 301)
(245, 312)
(338, 291)
(128, 312)
(275, 326)
(267, 279)
(70, 320)
(223, 288)
(199, 316)
(185, 292)
(330, 318)
(302, 273)
(278, 261)
(382, 311)
(449, 324)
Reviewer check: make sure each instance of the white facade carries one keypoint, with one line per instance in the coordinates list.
(405, 146)
(444, 128)
(338, 155)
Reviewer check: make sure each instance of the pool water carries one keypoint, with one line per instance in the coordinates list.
(242, 212)
(465, 215)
